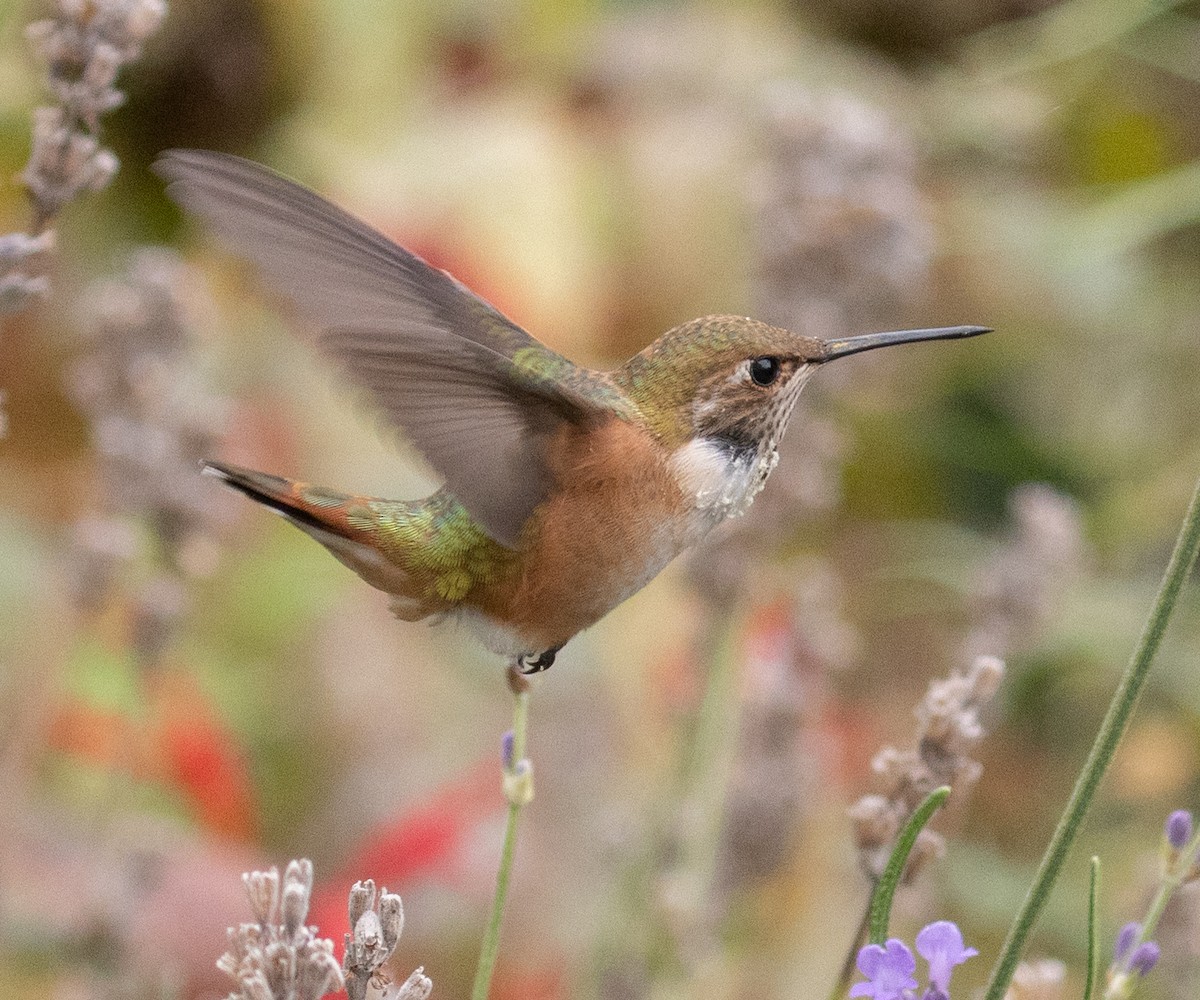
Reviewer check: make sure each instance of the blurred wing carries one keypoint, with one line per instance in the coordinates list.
(476, 394)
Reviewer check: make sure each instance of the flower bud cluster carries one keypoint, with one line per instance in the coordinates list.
(152, 420)
(948, 729)
(1133, 958)
(277, 957)
(377, 921)
(84, 47)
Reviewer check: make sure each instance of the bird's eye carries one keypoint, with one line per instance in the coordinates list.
(764, 370)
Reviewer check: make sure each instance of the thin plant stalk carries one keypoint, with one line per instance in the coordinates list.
(1093, 950)
(1111, 730)
(518, 788)
(889, 881)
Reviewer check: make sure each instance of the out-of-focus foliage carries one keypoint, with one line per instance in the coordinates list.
(191, 688)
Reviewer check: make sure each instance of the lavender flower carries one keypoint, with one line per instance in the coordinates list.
(889, 968)
(17, 286)
(377, 922)
(277, 957)
(941, 945)
(1144, 958)
(1178, 829)
(84, 46)
(136, 381)
(1126, 936)
(948, 728)
(1133, 959)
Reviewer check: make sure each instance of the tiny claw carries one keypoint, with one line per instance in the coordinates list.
(534, 663)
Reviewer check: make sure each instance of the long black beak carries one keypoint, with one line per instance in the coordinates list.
(870, 341)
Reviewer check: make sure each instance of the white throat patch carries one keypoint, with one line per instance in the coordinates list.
(725, 481)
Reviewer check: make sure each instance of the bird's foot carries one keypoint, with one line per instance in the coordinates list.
(535, 663)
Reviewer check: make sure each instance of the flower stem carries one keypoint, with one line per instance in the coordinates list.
(1111, 730)
(518, 789)
(1173, 876)
(1093, 950)
(889, 881)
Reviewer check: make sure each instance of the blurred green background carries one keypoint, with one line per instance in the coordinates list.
(191, 687)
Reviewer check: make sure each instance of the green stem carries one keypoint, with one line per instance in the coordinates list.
(889, 881)
(519, 790)
(1093, 952)
(1105, 745)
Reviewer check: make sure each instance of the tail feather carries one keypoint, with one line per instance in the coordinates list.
(325, 516)
(284, 496)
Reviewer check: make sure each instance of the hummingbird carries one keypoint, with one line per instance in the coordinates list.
(566, 489)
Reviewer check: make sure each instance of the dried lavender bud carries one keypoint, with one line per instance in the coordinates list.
(368, 936)
(377, 925)
(294, 906)
(17, 286)
(391, 918)
(416, 987)
(875, 821)
(152, 421)
(84, 47)
(319, 974)
(18, 290)
(362, 898)
(256, 987)
(948, 728)
(17, 248)
(270, 960)
(263, 890)
(985, 677)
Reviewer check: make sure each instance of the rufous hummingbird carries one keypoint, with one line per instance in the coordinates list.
(566, 489)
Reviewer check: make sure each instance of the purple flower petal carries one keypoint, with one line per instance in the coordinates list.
(889, 970)
(1125, 938)
(1144, 957)
(941, 945)
(1179, 828)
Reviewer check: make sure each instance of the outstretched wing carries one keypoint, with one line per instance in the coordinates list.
(476, 394)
